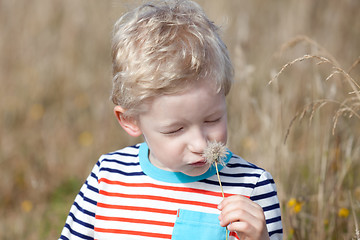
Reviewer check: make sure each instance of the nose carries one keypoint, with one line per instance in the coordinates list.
(198, 141)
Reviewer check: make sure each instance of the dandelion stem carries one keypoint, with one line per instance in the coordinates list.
(222, 192)
(218, 176)
(215, 153)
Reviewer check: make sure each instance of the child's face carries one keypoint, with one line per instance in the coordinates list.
(178, 127)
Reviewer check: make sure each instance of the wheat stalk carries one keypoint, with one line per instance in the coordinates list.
(311, 42)
(350, 105)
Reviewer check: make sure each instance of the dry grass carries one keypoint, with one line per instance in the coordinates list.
(56, 119)
(348, 107)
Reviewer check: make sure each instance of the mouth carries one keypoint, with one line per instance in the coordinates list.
(200, 163)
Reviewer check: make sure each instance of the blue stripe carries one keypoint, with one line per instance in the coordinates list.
(135, 146)
(240, 174)
(75, 233)
(271, 207)
(84, 210)
(272, 220)
(122, 154)
(94, 176)
(121, 172)
(263, 196)
(86, 199)
(81, 222)
(63, 237)
(246, 185)
(94, 189)
(240, 165)
(121, 163)
(275, 232)
(265, 182)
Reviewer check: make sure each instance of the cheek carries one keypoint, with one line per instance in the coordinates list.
(166, 148)
(223, 132)
(224, 136)
(219, 133)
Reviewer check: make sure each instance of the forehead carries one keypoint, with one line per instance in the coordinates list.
(201, 99)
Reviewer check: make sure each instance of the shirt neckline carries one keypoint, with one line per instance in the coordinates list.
(173, 177)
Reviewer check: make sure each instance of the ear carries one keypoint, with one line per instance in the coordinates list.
(129, 124)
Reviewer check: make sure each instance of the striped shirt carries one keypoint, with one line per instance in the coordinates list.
(126, 197)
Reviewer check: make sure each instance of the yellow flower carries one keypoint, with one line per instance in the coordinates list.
(26, 206)
(85, 138)
(292, 202)
(343, 212)
(294, 205)
(297, 207)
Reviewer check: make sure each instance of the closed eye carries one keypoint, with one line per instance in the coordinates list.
(213, 121)
(172, 131)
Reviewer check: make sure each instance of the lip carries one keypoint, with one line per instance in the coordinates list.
(200, 163)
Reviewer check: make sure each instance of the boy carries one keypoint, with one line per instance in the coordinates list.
(171, 75)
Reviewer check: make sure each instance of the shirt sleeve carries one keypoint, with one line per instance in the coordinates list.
(265, 195)
(80, 221)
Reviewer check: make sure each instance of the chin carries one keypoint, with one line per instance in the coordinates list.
(197, 172)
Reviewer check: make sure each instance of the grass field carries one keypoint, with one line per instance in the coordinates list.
(294, 108)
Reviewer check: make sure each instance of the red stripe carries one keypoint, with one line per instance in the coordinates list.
(132, 220)
(158, 198)
(132, 208)
(136, 233)
(178, 189)
(233, 234)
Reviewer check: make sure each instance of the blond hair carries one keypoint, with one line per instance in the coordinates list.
(161, 48)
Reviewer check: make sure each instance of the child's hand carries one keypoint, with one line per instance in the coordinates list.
(243, 216)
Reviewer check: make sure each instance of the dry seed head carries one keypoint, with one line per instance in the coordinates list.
(215, 153)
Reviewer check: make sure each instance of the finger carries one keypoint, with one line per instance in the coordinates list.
(246, 230)
(237, 199)
(241, 227)
(240, 215)
(240, 208)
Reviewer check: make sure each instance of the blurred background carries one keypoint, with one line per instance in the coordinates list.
(56, 118)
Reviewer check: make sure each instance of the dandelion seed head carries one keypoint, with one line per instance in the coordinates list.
(215, 153)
